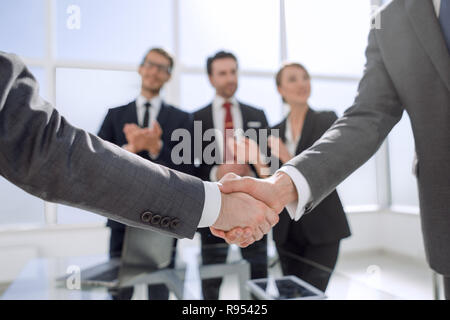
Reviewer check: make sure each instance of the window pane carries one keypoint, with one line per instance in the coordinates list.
(401, 155)
(195, 91)
(39, 74)
(112, 30)
(83, 97)
(328, 36)
(260, 92)
(19, 207)
(250, 29)
(22, 27)
(333, 95)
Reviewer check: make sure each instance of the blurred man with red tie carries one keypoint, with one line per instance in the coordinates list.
(226, 115)
(144, 127)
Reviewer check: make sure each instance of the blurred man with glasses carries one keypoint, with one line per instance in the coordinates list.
(144, 127)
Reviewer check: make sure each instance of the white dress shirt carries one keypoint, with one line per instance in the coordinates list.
(295, 209)
(155, 102)
(155, 107)
(290, 143)
(437, 6)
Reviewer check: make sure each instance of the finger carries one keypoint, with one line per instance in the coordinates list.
(245, 244)
(231, 147)
(126, 128)
(265, 227)
(272, 218)
(229, 176)
(132, 126)
(234, 236)
(218, 233)
(273, 142)
(257, 234)
(246, 237)
(242, 184)
(270, 140)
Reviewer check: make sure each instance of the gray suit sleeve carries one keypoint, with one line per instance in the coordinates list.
(357, 135)
(44, 155)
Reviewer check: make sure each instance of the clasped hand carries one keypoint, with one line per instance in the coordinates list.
(143, 139)
(250, 206)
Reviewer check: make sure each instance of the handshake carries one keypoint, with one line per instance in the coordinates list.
(250, 206)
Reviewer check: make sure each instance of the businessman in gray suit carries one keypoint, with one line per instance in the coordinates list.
(407, 69)
(44, 155)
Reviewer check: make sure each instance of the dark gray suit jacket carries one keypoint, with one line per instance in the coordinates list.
(408, 68)
(44, 155)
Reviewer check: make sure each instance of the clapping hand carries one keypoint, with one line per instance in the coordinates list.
(140, 139)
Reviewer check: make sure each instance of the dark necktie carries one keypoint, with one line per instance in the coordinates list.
(228, 132)
(147, 106)
(444, 19)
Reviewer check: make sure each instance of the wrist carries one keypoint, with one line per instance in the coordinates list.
(218, 224)
(130, 148)
(284, 188)
(285, 157)
(155, 149)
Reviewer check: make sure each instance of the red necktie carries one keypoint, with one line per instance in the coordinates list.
(228, 132)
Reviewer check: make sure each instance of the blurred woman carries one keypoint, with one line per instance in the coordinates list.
(307, 248)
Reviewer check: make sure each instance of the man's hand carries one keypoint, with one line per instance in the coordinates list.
(247, 151)
(279, 149)
(276, 192)
(135, 138)
(140, 139)
(153, 138)
(243, 211)
(237, 169)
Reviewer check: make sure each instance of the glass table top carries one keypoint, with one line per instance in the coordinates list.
(62, 278)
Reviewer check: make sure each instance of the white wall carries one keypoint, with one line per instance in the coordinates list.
(19, 246)
(389, 231)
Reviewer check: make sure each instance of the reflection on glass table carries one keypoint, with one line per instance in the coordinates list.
(39, 279)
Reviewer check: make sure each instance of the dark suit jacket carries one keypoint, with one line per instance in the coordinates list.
(250, 116)
(169, 118)
(327, 223)
(42, 153)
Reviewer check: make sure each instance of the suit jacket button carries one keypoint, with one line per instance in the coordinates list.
(174, 224)
(156, 219)
(146, 216)
(165, 222)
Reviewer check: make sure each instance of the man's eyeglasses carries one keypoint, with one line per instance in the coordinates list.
(160, 67)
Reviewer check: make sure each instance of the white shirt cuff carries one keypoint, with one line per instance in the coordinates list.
(211, 208)
(297, 208)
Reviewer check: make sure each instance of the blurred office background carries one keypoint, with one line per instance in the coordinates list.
(85, 56)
